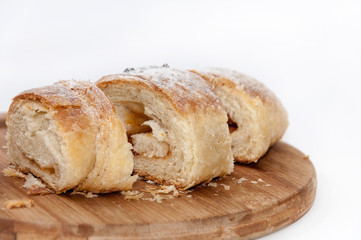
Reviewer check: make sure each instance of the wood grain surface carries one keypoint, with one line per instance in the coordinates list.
(272, 194)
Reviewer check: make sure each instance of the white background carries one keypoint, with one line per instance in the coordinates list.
(307, 52)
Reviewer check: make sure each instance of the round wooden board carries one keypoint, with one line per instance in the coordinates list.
(274, 193)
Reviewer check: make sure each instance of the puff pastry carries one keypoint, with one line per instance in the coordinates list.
(177, 125)
(68, 134)
(257, 118)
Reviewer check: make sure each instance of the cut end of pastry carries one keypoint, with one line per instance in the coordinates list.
(151, 146)
(256, 118)
(35, 144)
(175, 123)
(68, 134)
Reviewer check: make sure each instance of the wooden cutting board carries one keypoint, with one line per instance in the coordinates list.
(255, 200)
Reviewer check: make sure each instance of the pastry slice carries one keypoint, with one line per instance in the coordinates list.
(68, 134)
(256, 117)
(176, 124)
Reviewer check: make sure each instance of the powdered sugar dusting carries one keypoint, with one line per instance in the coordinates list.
(243, 81)
(185, 89)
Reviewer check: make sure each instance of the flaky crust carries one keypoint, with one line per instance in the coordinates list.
(186, 91)
(82, 118)
(190, 114)
(258, 97)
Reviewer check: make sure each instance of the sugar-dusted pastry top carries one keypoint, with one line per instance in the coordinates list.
(68, 135)
(240, 80)
(64, 96)
(187, 91)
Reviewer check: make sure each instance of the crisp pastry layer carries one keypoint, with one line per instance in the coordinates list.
(176, 124)
(256, 117)
(68, 134)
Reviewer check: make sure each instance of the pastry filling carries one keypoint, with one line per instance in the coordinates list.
(146, 135)
(36, 145)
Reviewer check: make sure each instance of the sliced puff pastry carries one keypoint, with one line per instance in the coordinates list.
(257, 118)
(68, 134)
(177, 125)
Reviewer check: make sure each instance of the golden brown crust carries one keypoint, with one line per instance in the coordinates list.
(160, 180)
(242, 84)
(64, 99)
(185, 95)
(85, 123)
(190, 113)
(232, 78)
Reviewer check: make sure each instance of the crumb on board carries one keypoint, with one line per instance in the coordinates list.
(158, 194)
(239, 181)
(260, 180)
(12, 172)
(254, 182)
(212, 184)
(39, 191)
(168, 189)
(129, 193)
(189, 196)
(158, 197)
(187, 191)
(87, 195)
(32, 182)
(267, 185)
(226, 187)
(35, 186)
(134, 197)
(19, 203)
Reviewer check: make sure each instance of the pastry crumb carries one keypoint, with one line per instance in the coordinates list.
(239, 181)
(168, 189)
(39, 191)
(306, 157)
(156, 198)
(129, 193)
(267, 185)
(12, 172)
(35, 186)
(254, 182)
(226, 187)
(28, 203)
(32, 182)
(91, 195)
(134, 197)
(260, 180)
(87, 195)
(212, 184)
(157, 194)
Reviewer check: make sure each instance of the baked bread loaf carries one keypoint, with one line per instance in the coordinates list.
(257, 118)
(68, 134)
(177, 125)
